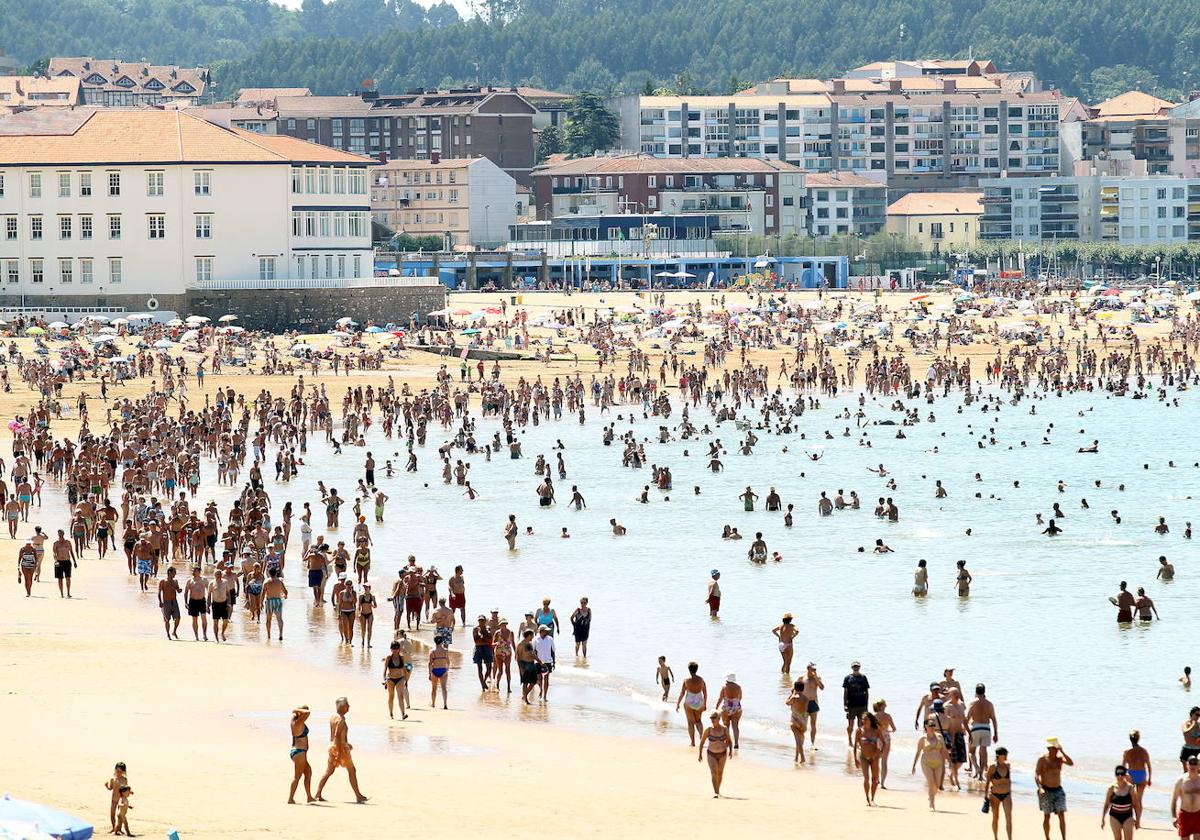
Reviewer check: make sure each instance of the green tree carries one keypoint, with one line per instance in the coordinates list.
(550, 142)
(590, 126)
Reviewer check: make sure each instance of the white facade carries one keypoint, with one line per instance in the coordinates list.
(156, 229)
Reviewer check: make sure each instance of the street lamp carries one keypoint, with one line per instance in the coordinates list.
(487, 226)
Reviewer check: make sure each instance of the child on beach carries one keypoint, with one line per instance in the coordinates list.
(121, 791)
(663, 676)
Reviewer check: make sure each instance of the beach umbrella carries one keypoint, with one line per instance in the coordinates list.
(439, 312)
(47, 819)
(471, 331)
(197, 319)
(175, 322)
(164, 343)
(346, 320)
(493, 310)
(35, 331)
(339, 334)
(118, 322)
(374, 329)
(107, 330)
(1111, 292)
(140, 316)
(58, 325)
(461, 312)
(225, 319)
(232, 330)
(919, 297)
(1192, 296)
(190, 335)
(665, 274)
(101, 339)
(100, 318)
(19, 830)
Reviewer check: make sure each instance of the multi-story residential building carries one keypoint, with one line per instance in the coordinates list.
(939, 221)
(259, 119)
(1132, 126)
(106, 204)
(459, 123)
(918, 133)
(1183, 131)
(842, 203)
(764, 197)
(1129, 210)
(551, 106)
(466, 202)
(106, 82)
(17, 92)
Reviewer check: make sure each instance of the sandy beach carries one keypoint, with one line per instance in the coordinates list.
(204, 728)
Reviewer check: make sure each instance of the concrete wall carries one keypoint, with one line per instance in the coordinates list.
(311, 310)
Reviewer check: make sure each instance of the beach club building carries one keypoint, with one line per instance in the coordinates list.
(137, 208)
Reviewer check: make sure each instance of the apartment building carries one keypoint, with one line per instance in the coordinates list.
(939, 221)
(764, 197)
(467, 202)
(106, 82)
(919, 133)
(842, 203)
(459, 123)
(1132, 126)
(1129, 210)
(135, 204)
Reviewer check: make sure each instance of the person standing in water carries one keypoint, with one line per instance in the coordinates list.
(713, 598)
(1141, 774)
(786, 633)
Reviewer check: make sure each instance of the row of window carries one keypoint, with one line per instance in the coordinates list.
(324, 223)
(156, 226)
(70, 269)
(316, 267)
(81, 183)
(329, 180)
(397, 194)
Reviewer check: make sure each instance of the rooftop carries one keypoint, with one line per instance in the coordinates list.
(1133, 103)
(937, 204)
(38, 90)
(108, 74)
(117, 136)
(253, 96)
(840, 179)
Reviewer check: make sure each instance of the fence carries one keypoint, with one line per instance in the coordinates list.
(315, 283)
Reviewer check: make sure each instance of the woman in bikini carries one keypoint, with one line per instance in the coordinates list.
(439, 668)
(729, 702)
(693, 696)
(299, 754)
(1118, 806)
(931, 752)
(395, 674)
(254, 587)
(502, 648)
(886, 727)
(716, 738)
(868, 741)
(366, 615)
(997, 792)
(798, 703)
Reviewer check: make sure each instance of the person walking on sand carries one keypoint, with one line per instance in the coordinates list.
(64, 559)
(812, 684)
(856, 690)
(274, 594)
(395, 675)
(1141, 774)
(716, 738)
(867, 749)
(26, 563)
(997, 792)
(1047, 774)
(299, 754)
(339, 751)
(798, 704)
(1118, 806)
(932, 754)
(439, 672)
(693, 696)
(982, 728)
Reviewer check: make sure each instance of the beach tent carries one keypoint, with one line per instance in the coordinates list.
(225, 319)
(48, 820)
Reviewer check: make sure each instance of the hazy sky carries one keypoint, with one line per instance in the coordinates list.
(461, 5)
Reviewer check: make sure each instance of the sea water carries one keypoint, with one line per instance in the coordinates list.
(1037, 628)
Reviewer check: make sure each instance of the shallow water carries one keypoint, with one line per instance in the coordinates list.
(1037, 628)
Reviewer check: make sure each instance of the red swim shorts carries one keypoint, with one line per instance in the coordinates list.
(1189, 823)
(457, 599)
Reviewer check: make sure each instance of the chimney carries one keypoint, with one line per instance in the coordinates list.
(895, 85)
(839, 86)
(435, 158)
(949, 86)
(383, 157)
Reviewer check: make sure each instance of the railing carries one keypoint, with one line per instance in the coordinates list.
(315, 283)
(601, 248)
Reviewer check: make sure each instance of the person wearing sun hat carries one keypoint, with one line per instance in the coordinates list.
(1048, 776)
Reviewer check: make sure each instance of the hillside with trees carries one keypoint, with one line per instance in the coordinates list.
(1091, 48)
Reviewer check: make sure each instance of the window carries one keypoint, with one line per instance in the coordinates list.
(266, 268)
(339, 181)
(297, 179)
(358, 224)
(453, 196)
(114, 226)
(35, 184)
(310, 124)
(86, 270)
(1, 186)
(323, 180)
(35, 227)
(203, 181)
(64, 227)
(114, 270)
(157, 223)
(314, 264)
(66, 269)
(310, 180)
(329, 265)
(339, 224)
(204, 225)
(204, 269)
(297, 223)
(12, 269)
(10, 227)
(154, 183)
(37, 270)
(300, 267)
(64, 184)
(114, 184)
(651, 180)
(324, 220)
(341, 265)
(358, 182)
(357, 265)
(310, 224)
(85, 183)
